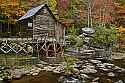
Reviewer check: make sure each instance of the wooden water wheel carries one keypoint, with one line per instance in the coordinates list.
(51, 49)
(54, 49)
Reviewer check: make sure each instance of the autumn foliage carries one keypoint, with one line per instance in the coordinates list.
(62, 6)
(11, 9)
(103, 10)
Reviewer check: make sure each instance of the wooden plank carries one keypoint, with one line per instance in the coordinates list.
(15, 39)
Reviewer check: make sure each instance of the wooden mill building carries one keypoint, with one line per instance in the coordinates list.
(43, 23)
(45, 28)
(40, 33)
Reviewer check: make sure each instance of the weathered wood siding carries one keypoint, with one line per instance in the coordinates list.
(59, 32)
(43, 24)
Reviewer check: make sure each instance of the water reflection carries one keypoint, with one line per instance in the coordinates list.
(44, 77)
(119, 62)
(2, 81)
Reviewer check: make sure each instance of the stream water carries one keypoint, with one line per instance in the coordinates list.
(44, 77)
(119, 62)
(48, 77)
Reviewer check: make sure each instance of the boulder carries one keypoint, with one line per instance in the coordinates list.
(111, 74)
(39, 69)
(17, 73)
(108, 64)
(78, 65)
(90, 66)
(119, 81)
(44, 63)
(58, 69)
(95, 61)
(40, 65)
(1, 79)
(55, 71)
(35, 74)
(26, 72)
(118, 69)
(84, 76)
(49, 68)
(88, 71)
(100, 66)
(105, 69)
(94, 82)
(76, 71)
(71, 80)
(61, 79)
(95, 79)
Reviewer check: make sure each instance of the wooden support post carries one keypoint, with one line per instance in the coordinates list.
(46, 46)
(55, 55)
(38, 49)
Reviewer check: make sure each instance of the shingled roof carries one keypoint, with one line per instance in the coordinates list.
(34, 11)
